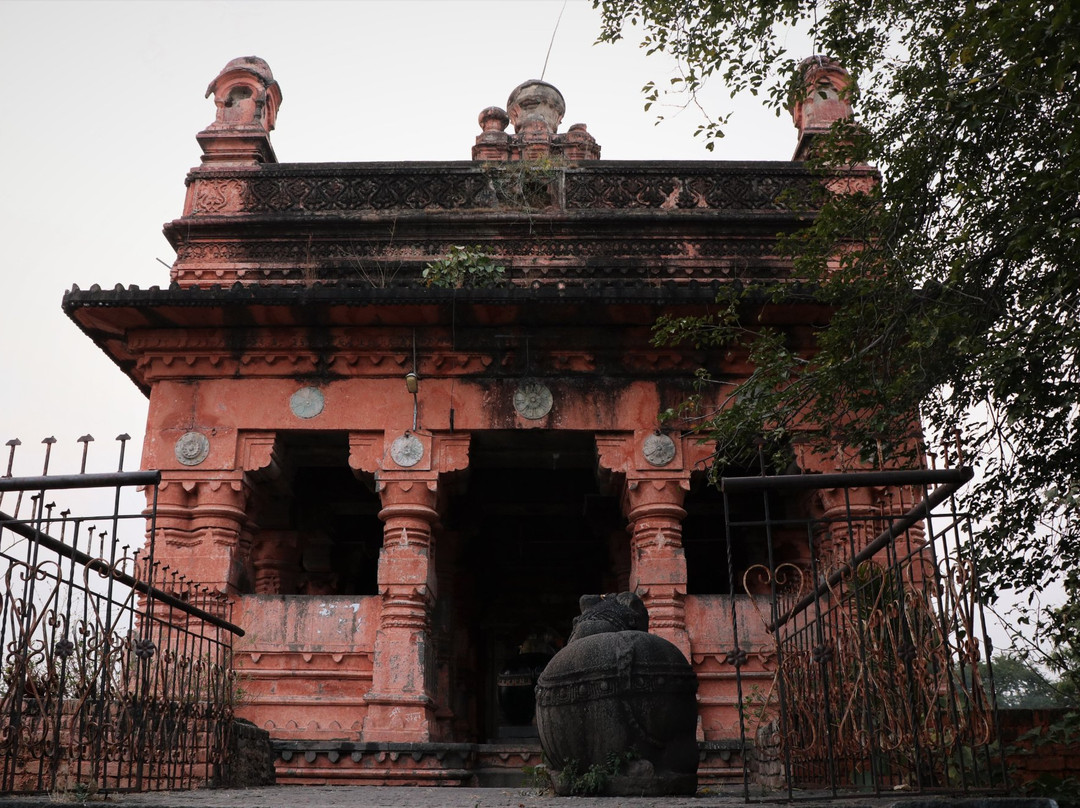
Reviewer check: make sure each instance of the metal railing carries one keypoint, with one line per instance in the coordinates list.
(882, 661)
(116, 672)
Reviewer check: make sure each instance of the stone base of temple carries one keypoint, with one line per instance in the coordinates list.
(353, 763)
(720, 764)
(501, 765)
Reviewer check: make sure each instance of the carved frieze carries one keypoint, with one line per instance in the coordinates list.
(662, 187)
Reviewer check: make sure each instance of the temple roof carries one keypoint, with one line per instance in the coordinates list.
(261, 243)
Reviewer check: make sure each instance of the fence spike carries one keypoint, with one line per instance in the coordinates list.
(85, 441)
(12, 444)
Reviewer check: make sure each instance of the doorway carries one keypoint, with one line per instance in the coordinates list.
(527, 533)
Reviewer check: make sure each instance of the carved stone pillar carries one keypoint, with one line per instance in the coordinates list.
(655, 468)
(657, 563)
(850, 518)
(217, 519)
(401, 705)
(199, 525)
(276, 562)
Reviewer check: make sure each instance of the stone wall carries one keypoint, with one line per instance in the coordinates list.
(251, 758)
(1037, 750)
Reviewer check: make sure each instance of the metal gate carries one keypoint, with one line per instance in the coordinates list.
(116, 672)
(878, 635)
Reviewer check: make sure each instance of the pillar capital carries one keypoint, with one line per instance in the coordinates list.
(656, 498)
(407, 455)
(201, 516)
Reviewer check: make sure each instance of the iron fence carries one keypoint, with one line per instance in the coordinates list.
(882, 660)
(116, 671)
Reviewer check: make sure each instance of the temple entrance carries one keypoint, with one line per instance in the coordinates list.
(529, 530)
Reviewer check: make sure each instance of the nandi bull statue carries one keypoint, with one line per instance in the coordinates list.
(616, 708)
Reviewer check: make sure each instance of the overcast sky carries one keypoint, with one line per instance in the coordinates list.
(101, 103)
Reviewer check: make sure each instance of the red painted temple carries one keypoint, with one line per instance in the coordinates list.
(406, 486)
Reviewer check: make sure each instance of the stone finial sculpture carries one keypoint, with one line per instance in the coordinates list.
(535, 108)
(491, 143)
(535, 105)
(247, 99)
(619, 702)
(825, 98)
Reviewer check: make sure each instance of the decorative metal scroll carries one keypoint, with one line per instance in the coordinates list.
(879, 636)
(116, 674)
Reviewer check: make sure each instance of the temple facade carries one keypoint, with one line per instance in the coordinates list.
(408, 413)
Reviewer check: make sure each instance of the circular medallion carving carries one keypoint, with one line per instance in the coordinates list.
(659, 449)
(307, 402)
(192, 448)
(407, 450)
(533, 400)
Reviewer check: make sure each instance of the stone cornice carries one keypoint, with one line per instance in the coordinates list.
(601, 291)
(154, 333)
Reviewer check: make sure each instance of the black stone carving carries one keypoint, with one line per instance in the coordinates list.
(617, 694)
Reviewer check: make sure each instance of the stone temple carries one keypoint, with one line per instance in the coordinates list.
(405, 481)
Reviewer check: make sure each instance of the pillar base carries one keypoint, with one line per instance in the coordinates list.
(398, 718)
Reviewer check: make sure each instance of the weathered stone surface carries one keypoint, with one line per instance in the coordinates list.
(621, 702)
(251, 757)
(247, 99)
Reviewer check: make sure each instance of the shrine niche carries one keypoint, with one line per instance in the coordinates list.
(406, 489)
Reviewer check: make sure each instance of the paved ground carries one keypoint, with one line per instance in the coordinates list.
(400, 797)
